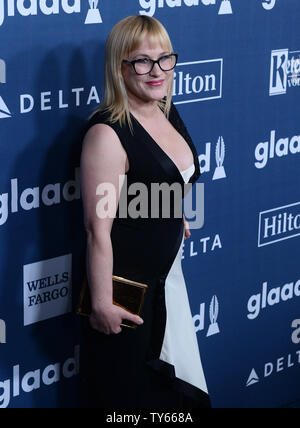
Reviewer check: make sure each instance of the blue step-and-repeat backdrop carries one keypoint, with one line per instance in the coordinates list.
(237, 87)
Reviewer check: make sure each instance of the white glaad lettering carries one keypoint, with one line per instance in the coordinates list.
(33, 7)
(272, 297)
(21, 382)
(32, 198)
(150, 6)
(271, 149)
(268, 4)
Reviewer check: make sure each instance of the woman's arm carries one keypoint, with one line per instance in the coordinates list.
(103, 160)
(187, 233)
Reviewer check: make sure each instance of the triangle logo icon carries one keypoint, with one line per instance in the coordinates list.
(253, 378)
(225, 8)
(4, 112)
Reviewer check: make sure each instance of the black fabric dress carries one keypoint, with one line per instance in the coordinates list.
(125, 370)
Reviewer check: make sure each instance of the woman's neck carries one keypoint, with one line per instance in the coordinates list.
(142, 109)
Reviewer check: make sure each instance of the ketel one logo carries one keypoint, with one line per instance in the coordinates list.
(4, 111)
(285, 71)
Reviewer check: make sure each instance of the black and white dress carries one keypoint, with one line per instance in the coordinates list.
(158, 364)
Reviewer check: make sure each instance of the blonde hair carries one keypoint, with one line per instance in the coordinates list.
(125, 37)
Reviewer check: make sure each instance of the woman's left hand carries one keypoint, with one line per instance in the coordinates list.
(187, 233)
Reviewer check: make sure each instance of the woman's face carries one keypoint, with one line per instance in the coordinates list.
(149, 87)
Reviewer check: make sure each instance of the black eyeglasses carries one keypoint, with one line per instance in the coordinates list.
(146, 65)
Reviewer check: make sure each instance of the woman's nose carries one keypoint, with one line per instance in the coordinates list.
(156, 71)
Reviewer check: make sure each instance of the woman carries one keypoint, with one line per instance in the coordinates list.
(137, 133)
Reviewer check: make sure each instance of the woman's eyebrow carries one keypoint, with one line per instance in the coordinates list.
(145, 55)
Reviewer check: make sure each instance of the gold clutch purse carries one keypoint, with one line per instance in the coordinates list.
(127, 294)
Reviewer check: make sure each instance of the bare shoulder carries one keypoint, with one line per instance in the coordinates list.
(101, 141)
(101, 134)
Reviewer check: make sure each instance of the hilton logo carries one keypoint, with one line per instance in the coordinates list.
(198, 81)
(279, 224)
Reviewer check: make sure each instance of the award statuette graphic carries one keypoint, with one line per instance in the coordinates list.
(220, 157)
(93, 16)
(225, 8)
(213, 314)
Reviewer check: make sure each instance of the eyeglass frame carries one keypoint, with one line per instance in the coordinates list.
(153, 63)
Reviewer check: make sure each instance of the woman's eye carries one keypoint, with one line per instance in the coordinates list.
(143, 61)
(165, 58)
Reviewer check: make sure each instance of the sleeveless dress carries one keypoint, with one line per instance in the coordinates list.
(158, 364)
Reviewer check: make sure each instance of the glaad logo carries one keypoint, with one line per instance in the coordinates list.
(279, 224)
(268, 4)
(32, 198)
(199, 319)
(282, 363)
(280, 148)
(55, 7)
(2, 331)
(4, 111)
(205, 159)
(285, 71)
(150, 6)
(272, 297)
(35, 379)
(47, 289)
(198, 81)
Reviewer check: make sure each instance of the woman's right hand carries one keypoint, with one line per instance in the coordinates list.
(107, 319)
